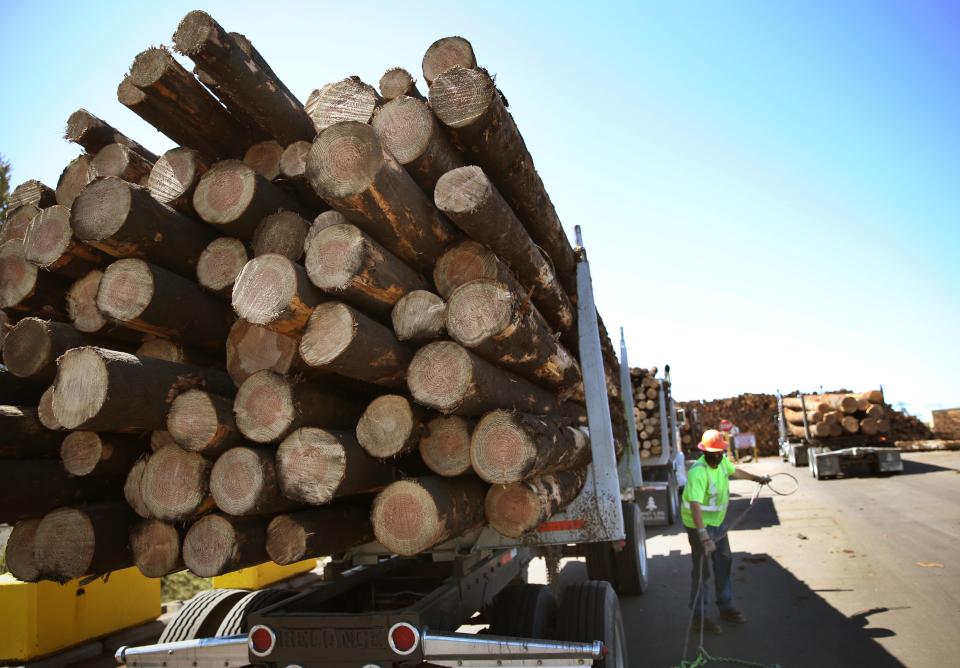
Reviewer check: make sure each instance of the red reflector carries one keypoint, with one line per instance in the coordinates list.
(561, 525)
(404, 637)
(261, 639)
(604, 650)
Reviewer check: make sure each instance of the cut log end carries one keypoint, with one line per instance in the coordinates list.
(174, 174)
(48, 236)
(193, 421)
(28, 347)
(347, 100)
(238, 480)
(406, 518)
(512, 509)
(265, 287)
(419, 316)
(264, 157)
(175, 483)
(282, 233)
(405, 126)
(17, 276)
(330, 331)
(81, 388)
(194, 30)
(396, 82)
(286, 540)
(264, 407)
(220, 263)
(65, 542)
(75, 176)
(460, 96)
(82, 303)
(133, 488)
(101, 208)
(440, 375)
(81, 451)
(293, 162)
(446, 53)
(311, 464)
(463, 263)
(210, 546)
(463, 190)
(446, 447)
(18, 222)
(224, 193)
(335, 255)
(126, 290)
(45, 411)
(123, 162)
(479, 310)
(500, 451)
(156, 548)
(32, 192)
(388, 427)
(344, 160)
(252, 348)
(21, 561)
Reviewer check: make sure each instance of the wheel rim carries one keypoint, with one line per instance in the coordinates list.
(641, 533)
(619, 649)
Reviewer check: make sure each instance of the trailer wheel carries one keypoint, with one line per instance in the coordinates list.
(631, 561)
(201, 615)
(525, 611)
(590, 611)
(812, 461)
(601, 564)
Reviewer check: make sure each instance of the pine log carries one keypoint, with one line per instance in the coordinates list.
(850, 424)
(282, 233)
(875, 411)
(17, 222)
(234, 198)
(343, 340)
(15, 390)
(220, 263)
(445, 53)
(410, 131)
(23, 435)
(397, 82)
(27, 290)
(6, 324)
(74, 178)
(318, 532)
(347, 100)
(344, 261)
(521, 507)
(470, 199)
(323, 221)
(164, 349)
(293, 169)
(33, 346)
(146, 298)
(175, 176)
(831, 417)
(244, 482)
(123, 162)
(176, 484)
(193, 117)
(71, 542)
(821, 430)
(883, 425)
(218, 544)
(275, 292)
(873, 396)
(50, 245)
(133, 488)
(264, 158)
(445, 448)
(419, 316)
(468, 102)
(106, 390)
(391, 425)
(34, 487)
(509, 447)
(203, 422)
(242, 78)
(156, 547)
(83, 313)
(20, 558)
(502, 327)
(350, 169)
(32, 192)
(123, 220)
(413, 515)
(160, 439)
(269, 406)
(796, 417)
(869, 426)
(45, 411)
(87, 453)
(446, 376)
(252, 348)
(469, 261)
(317, 465)
(93, 134)
(162, 115)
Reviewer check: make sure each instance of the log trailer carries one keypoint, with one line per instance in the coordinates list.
(659, 496)
(837, 455)
(377, 610)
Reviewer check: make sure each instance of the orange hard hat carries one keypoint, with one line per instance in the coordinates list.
(712, 441)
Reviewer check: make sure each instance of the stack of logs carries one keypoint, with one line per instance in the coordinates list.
(831, 415)
(750, 412)
(646, 411)
(306, 327)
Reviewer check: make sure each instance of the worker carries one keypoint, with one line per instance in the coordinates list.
(703, 510)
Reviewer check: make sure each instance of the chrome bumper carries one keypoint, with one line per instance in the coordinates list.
(227, 652)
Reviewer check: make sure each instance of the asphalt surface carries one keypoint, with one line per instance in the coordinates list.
(860, 571)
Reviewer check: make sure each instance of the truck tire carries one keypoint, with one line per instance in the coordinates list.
(812, 461)
(601, 564)
(525, 611)
(590, 611)
(631, 561)
(201, 616)
(235, 621)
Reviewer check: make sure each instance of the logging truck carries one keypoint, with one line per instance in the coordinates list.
(374, 608)
(831, 450)
(659, 496)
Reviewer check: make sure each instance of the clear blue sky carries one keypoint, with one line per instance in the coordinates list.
(769, 191)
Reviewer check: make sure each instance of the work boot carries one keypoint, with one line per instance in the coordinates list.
(708, 625)
(733, 615)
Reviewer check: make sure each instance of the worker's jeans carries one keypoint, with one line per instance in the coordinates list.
(721, 561)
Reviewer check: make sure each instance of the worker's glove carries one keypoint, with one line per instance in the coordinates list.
(708, 545)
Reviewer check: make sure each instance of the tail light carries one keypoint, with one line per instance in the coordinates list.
(403, 638)
(261, 640)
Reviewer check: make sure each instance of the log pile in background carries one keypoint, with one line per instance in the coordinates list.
(754, 413)
(226, 351)
(646, 411)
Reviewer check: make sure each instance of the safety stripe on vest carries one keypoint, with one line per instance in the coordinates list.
(686, 504)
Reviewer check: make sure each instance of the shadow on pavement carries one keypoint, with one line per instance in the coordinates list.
(762, 514)
(911, 467)
(789, 624)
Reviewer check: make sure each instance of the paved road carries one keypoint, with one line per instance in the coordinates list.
(850, 572)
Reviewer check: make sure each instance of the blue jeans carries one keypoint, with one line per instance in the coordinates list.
(721, 561)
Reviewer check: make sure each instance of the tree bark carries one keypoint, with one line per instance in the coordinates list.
(445, 376)
(23, 436)
(275, 292)
(413, 515)
(234, 198)
(252, 348)
(106, 390)
(124, 221)
(164, 349)
(343, 340)
(316, 465)
(20, 558)
(410, 131)
(318, 532)
(795, 417)
(152, 300)
(72, 542)
(93, 134)
(344, 261)
(244, 482)
(32, 192)
(24, 289)
(470, 199)
(509, 447)
(347, 100)
(123, 162)
(15, 390)
(176, 484)
(397, 82)
(74, 178)
(220, 263)
(218, 544)
(270, 406)
(156, 547)
(242, 78)
(468, 102)
(521, 507)
(350, 169)
(282, 233)
(203, 422)
(390, 426)
(445, 448)
(34, 487)
(50, 245)
(87, 453)
(503, 327)
(446, 53)
(175, 176)
(33, 346)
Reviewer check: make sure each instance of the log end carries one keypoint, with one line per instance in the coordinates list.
(18, 222)
(500, 451)
(252, 348)
(209, 546)
(126, 290)
(329, 332)
(419, 315)
(45, 411)
(224, 193)
(17, 276)
(64, 544)
(286, 540)
(387, 426)
(48, 236)
(220, 263)
(133, 489)
(335, 255)
(265, 287)
(80, 452)
(264, 407)
(156, 548)
(511, 509)
(464, 262)
(75, 176)
(405, 518)
(460, 96)
(21, 561)
(445, 53)
(349, 99)
(282, 233)
(396, 82)
(82, 303)
(163, 349)
(344, 160)
(192, 420)
(238, 480)
(311, 464)
(175, 483)
(115, 160)
(195, 30)
(174, 174)
(101, 208)
(478, 311)
(79, 123)
(462, 191)
(440, 375)
(446, 447)
(28, 347)
(406, 126)
(293, 162)
(150, 66)
(264, 158)
(81, 387)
